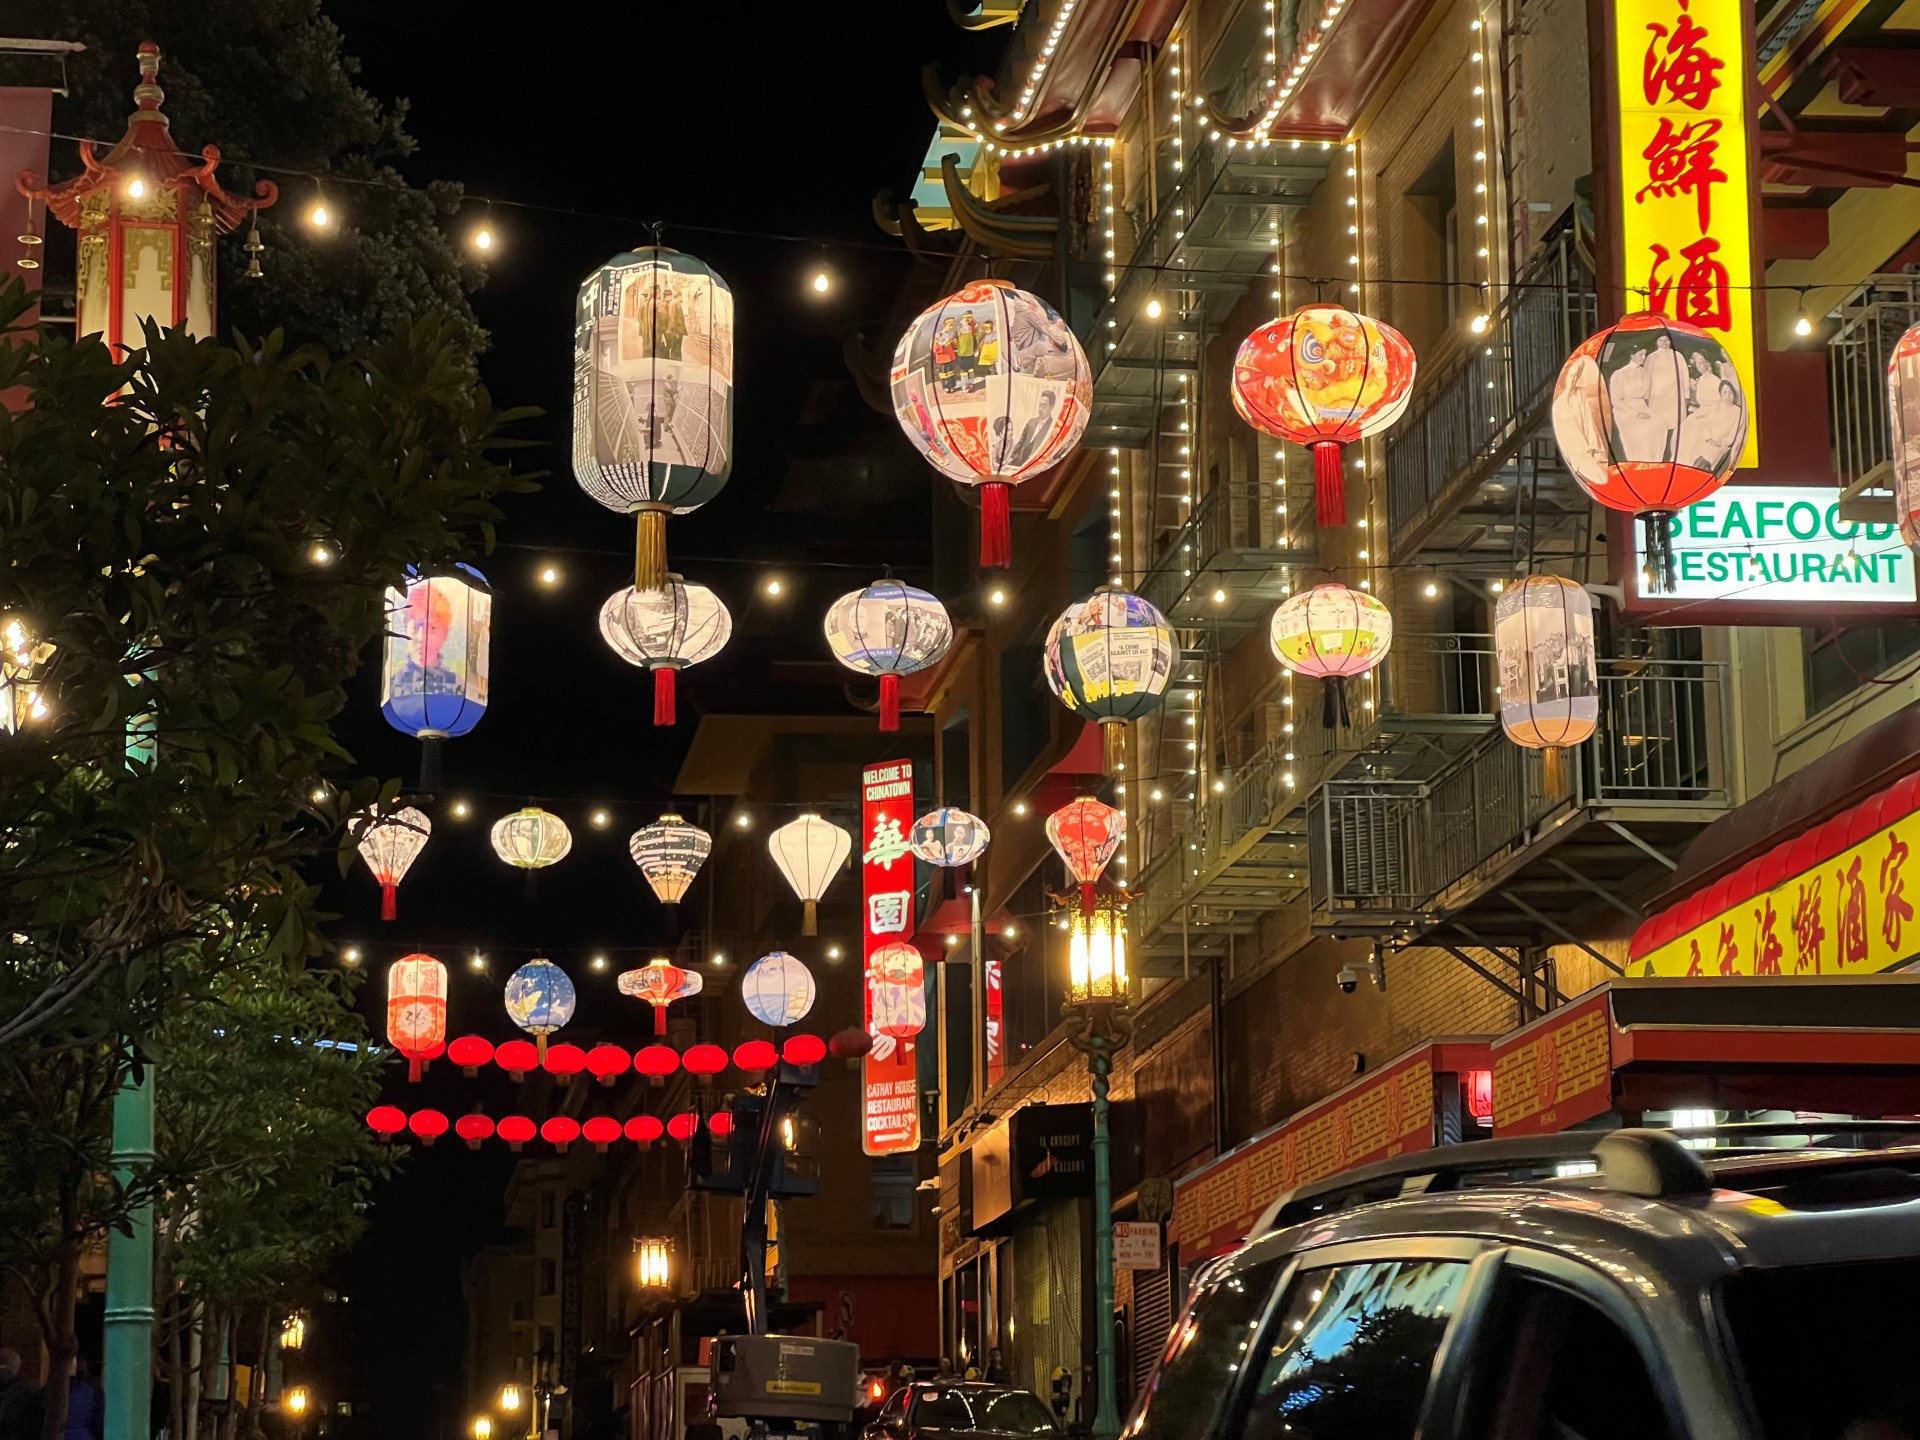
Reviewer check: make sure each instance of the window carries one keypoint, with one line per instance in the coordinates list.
(547, 1210)
(1837, 660)
(1352, 1350)
(983, 1412)
(1432, 237)
(549, 1277)
(1026, 710)
(1088, 550)
(1204, 1355)
(891, 1183)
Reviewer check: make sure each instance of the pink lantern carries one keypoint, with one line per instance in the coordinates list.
(390, 844)
(1085, 833)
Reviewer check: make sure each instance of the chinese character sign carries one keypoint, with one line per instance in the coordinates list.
(1684, 182)
(890, 1083)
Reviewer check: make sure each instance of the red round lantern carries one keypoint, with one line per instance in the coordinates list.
(756, 1056)
(720, 1124)
(417, 1009)
(850, 1044)
(517, 1057)
(516, 1130)
(806, 1049)
(704, 1061)
(386, 1121)
(428, 1125)
(644, 1129)
(473, 1129)
(470, 1052)
(565, 1061)
(601, 1131)
(684, 1127)
(1085, 833)
(656, 1062)
(1323, 377)
(561, 1131)
(605, 1062)
(1651, 417)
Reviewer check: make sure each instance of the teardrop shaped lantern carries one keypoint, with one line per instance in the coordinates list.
(810, 852)
(1903, 417)
(417, 1009)
(390, 844)
(1331, 633)
(1085, 833)
(653, 393)
(1324, 377)
(664, 631)
(778, 990)
(1109, 657)
(670, 853)
(1650, 417)
(888, 629)
(659, 983)
(897, 987)
(992, 388)
(540, 1000)
(433, 676)
(948, 837)
(1549, 687)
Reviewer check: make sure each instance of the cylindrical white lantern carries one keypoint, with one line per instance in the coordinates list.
(1549, 685)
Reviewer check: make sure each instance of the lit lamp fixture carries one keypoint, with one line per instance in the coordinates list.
(21, 659)
(293, 1331)
(653, 1262)
(483, 1427)
(509, 1397)
(1097, 957)
(296, 1400)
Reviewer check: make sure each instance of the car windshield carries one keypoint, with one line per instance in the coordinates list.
(996, 1412)
(1816, 1376)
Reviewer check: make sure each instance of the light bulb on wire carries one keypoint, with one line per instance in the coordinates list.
(483, 237)
(319, 216)
(136, 188)
(822, 282)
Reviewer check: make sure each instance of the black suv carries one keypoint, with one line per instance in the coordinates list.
(1586, 1286)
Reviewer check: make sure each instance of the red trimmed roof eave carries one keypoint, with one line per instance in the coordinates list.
(149, 147)
(1355, 56)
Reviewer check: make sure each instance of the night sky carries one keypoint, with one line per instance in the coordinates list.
(738, 115)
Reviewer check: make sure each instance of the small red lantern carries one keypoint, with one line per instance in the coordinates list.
(720, 1124)
(684, 1127)
(429, 1125)
(560, 1132)
(601, 1131)
(704, 1061)
(1085, 833)
(656, 1062)
(605, 1062)
(473, 1129)
(517, 1057)
(806, 1049)
(756, 1057)
(850, 1045)
(644, 1130)
(565, 1061)
(516, 1130)
(387, 1121)
(1478, 1085)
(470, 1052)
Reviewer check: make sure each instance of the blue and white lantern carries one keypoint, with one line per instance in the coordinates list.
(778, 989)
(433, 679)
(540, 1000)
(888, 629)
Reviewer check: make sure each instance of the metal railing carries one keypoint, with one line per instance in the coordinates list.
(1870, 323)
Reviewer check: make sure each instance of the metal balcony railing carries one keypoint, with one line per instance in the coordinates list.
(1870, 323)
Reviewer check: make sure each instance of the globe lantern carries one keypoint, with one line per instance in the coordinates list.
(809, 852)
(390, 844)
(433, 679)
(1331, 633)
(659, 983)
(888, 629)
(897, 987)
(517, 1058)
(653, 393)
(1903, 416)
(531, 839)
(643, 1130)
(607, 1063)
(1085, 833)
(540, 999)
(417, 1009)
(656, 1062)
(600, 1132)
(663, 631)
(949, 837)
(1323, 377)
(1549, 686)
(777, 990)
(1650, 417)
(516, 1130)
(803, 1050)
(1109, 658)
(992, 388)
(386, 1121)
(470, 1052)
(427, 1126)
(473, 1129)
(670, 853)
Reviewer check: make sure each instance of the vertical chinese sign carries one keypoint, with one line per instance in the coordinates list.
(996, 1045)
(890, 1084)
(1684, 180)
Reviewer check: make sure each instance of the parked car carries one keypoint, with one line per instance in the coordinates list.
(953, 1410)
(1618, 1286)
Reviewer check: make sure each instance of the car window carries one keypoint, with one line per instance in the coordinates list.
(1205, 1355)
(896, 1405)
(1011, 1412)
(941, 1410)
(1351, 1351)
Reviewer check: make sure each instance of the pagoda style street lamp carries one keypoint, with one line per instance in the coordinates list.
(653, 1262)
(510, 1398)
(1100, 1024)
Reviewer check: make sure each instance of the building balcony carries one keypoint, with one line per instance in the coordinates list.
(1227, 566)
(1868, 325)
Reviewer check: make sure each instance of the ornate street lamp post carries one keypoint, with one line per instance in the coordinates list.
(1096, 1010)
(653, 1263)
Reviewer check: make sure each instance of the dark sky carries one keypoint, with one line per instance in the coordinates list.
(739, 115)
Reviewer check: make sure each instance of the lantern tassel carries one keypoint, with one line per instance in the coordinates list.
(889, 701)
(1333, 703)
(540, 1046)
(1329, 484)
(531, 891)
(430, 762)
(1655, 527)
(996, 526)
(1086, 897)
(1553, 770)
(1113, 748)
(389, 905)
(663, 695)
(650, 550)
(659, 1020)
(810, 917)
(413, 1070)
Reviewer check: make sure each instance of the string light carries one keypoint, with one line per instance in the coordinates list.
(321, 553)
(822, 282)
(549, 576)
(136, 188)
(461, 809)
(318, 216)
(600, 819)
(773, 586)
(1803, 323)
(483, 237)
(1483, 187)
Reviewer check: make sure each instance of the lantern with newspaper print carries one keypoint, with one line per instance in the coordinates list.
(665, 630)
(1549, 690)
(390, 844)
(417, 1009)
(1085, 833)
(659, 983)
(1109, 657)
(888, 629)
(433, 677)
(1331, 633)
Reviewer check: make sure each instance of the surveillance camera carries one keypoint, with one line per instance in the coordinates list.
(1349, 979)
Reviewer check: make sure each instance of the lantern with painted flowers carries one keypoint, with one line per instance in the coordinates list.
(670, 853)
(390, 844)
(778, 990)
(659, 982)
(992, 388)
(1109, 658)
(665, 630)
(540, 1000)
(1331, 633)
(417, 1009)
(889, 629)
(653, 393)
(433, 679)
(809, 852)
(949, 837)
(897, 987)
(1084, 833)
(1650, 417)
(1549, 688)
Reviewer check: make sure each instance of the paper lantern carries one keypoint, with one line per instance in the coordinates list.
(470, 1052)
(540, 1000)
(755, 1056)
(1323, 377)
(1549, 688)
(704, 1062)
(564, 1061)
(850, 1044)
(416, 1009)
(659, 983)
(390, 844)
(1903, 416)
(427, 1125)
(777, 989)
(656, 1062)
(670, 853)
(560, 1131)
(803, 1050)
(516, 1130)
(386, 1121)
(433, 679)
(888, 629)
(532, 839)
(992, 388)
(809, 853)
(517, 1057)
(653, 393)
(644, 1129)
(897, 985)
(473, 1129)
(606, 1063)
(720, 1124)
(948, 837)
(665, 630)
(1109, 658)
(1650, 417)
(1085, 833)
(1331, 633)
(600, 1132)
(684, 1126)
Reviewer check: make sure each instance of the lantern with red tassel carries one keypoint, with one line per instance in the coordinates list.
(417, 1009)
(1085, 833)
(888, 629)
(600, 1132)
(427, 1125)
(473, 1129)
(897, 986)
(1109, 657)
(665, 631)
(660, 983)
(390, 844)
